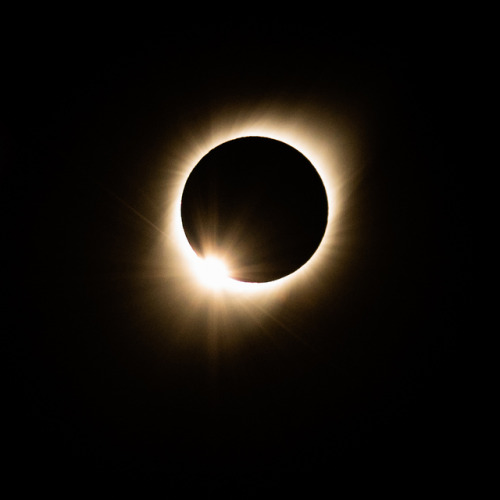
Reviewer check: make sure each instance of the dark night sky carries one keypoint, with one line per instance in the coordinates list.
(362, 386)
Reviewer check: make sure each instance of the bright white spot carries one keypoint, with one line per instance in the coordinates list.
(212, 272)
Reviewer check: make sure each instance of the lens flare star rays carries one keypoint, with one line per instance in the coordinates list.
(212, 272)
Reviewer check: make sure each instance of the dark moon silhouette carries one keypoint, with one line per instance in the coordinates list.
(259, 204)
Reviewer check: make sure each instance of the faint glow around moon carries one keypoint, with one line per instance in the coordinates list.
(312, 134)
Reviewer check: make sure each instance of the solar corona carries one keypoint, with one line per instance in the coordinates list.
(195, 244)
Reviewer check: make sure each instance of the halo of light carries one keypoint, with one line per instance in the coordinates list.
(317, 137)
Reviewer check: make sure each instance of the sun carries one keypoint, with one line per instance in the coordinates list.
(325, 142)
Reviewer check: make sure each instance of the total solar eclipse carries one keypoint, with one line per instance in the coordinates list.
(257, 204)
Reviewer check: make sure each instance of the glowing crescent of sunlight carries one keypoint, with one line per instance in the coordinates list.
(305, 130)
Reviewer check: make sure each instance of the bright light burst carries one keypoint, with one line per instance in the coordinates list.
(212, 272)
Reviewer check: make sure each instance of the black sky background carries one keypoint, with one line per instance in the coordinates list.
(366, 389)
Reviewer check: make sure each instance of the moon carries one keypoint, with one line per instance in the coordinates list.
(256, 204)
